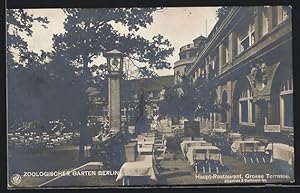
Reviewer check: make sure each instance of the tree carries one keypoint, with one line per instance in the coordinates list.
(22, 65)
(180, 100)
(191, 100)
(40, 86)
(90, 33)
(19, 25)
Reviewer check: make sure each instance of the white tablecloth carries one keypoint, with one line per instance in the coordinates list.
(143, 167)
(145, 142)
(151, 134)
(184, 144)
(192, 150)
(236, 145)
(282, 152)
(234, 135)
(145, 149)
(219, 130)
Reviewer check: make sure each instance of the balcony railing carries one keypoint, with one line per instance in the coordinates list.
(184, 61)
(187, 47)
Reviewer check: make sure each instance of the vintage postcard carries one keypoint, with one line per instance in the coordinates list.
(161, 96)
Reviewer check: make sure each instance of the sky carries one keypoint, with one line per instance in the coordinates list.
(178, 24)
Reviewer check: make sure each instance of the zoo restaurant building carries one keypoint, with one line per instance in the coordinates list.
(249, 54)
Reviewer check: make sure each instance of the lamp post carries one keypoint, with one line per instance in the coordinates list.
(115, 70)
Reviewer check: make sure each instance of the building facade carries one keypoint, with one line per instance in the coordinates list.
(247, 57)
(187, 56)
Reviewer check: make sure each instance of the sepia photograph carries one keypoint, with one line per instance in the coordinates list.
(149, 97)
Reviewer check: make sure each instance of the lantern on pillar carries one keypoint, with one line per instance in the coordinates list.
(114, 61)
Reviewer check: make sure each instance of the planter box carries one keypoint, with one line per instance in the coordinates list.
(131, 152)
(191, 129)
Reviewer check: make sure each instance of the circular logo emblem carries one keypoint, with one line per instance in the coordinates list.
(16, 179)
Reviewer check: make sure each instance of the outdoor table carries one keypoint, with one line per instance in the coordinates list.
(237, 146)
(205, 131)
(219, 130)
(192, 150)
(151, 134)
(144, 167)
(282, 152)
(146, 148)
(198, 139)
(234, 135)
(146, 140)
(184, 144)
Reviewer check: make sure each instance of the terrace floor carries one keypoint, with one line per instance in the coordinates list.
(175, 170)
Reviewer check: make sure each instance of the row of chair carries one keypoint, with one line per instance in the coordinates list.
(207, 161)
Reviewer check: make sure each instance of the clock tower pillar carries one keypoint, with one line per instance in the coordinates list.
(115, 70)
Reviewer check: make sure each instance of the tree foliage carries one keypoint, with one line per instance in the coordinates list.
(90, 33)
(23, 67)
(191, 100)
(19, 24)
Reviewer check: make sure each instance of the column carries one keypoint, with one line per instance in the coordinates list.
(229, 100)
(221, 57)
(258, 24)
(215, 120)
(232, 45)
(259, 119)
(114, 103)
(271, 18)
(210, 121)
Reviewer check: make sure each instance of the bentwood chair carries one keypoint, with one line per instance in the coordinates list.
(260, 152)
(250, 151)
(214, 159)
(199, 159)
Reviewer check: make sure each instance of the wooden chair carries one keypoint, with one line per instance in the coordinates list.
(250, 150)
(214, 159)
(159, 156)
(200, 159)
(241, 152)
(260, 152)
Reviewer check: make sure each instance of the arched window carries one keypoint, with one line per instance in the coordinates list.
(286, 104)
(246, 106)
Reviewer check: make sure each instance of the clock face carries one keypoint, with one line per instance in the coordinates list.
(115, 64)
